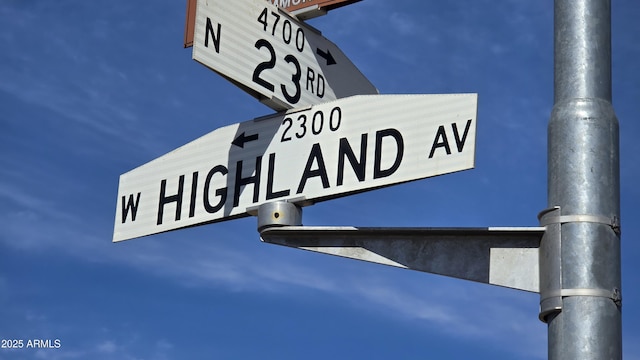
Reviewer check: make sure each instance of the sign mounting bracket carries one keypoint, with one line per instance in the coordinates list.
(502, 256)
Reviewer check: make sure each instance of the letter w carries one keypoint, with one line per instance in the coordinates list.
(130, 205)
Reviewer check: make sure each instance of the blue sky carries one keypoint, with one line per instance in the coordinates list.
(92, 89)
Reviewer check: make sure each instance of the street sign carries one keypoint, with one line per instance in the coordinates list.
(302, 9)
(304, 155)
(306, 9)
(274, 57)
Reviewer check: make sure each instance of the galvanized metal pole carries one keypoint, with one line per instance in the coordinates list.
(580, 292)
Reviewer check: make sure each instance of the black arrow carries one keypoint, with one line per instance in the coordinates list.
(327, 56)
(241, 139)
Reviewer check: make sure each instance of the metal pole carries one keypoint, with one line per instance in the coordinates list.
(583, 287)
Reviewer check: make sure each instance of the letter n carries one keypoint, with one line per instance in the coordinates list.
(215, 36)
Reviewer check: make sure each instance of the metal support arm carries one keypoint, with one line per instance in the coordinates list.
(506, 256)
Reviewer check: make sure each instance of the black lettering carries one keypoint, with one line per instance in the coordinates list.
(265, 65)
(270, 193)
(277, 16)
(262, 19)
(300, 39)
(443, 143)
(311, 77)
(316, 154)
(221, 192)
(286, 31)
(194, 188)
(459, 142)
(240, 181)
(377, 171)
(284, 137)
(320, 89)
(130, 205)
(345, 150)
(177, 198)
(215, 36)
(295, 78)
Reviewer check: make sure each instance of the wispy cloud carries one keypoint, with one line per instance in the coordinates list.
(108, 347)
(215, 265)
(81, 79)
(402, 25)
(631, 347)
(59, 354)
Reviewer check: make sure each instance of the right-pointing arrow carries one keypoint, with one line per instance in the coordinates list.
(327, 56)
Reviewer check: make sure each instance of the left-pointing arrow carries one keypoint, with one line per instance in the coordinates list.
(242, 139)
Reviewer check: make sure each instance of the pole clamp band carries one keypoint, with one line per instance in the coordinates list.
(614, 222)
(614, 294)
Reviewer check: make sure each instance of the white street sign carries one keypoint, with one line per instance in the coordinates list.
(274, 57)
(304, 155)
(307, 9)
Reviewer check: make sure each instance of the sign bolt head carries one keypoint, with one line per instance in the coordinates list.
(279, 213)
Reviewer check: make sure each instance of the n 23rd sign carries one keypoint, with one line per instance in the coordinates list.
(279, 60)
(306, 155)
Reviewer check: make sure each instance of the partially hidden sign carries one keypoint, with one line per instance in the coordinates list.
(274, 57)
(303, 9)
(306, 9)
(304, 155)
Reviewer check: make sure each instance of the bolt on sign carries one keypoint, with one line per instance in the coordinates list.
(304, 155)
